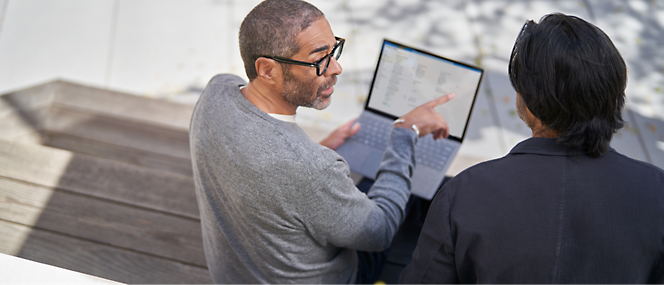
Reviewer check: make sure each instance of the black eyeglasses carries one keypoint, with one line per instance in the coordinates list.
(320, 65)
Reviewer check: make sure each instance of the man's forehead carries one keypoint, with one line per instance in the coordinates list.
(316, 38)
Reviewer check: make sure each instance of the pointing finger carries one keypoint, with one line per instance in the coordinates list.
(441, 100)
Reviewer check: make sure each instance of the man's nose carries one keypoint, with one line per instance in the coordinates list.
(334, 68)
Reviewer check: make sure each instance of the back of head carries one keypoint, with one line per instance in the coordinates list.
(270, 29)
(572, 78)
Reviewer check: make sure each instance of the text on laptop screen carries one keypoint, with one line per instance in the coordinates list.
(407, 78)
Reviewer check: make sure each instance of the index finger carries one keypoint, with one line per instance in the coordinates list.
(441, 100)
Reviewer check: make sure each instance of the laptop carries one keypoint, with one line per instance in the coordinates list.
(405, 78)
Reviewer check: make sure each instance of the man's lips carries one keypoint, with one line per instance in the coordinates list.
(327, 92)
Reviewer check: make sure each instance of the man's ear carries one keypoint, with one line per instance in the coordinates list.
(268, 70)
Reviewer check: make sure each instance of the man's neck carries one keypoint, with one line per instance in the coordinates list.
(541, 131)
(266, 99)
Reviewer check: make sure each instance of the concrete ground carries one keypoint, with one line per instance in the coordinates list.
(169, 49)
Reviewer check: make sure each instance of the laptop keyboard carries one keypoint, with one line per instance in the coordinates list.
(374, 132)
(432, 153)
(429, 152)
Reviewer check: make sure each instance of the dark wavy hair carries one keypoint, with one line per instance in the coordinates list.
(271, 28)
(572, 78)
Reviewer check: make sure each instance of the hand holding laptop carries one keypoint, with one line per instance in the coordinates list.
(426, 120)
(336, 138)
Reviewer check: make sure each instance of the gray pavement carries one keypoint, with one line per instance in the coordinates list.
(170, 48)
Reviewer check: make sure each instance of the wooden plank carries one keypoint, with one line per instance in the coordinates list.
(13, 198)
(97, 259)
(119, 153)
(23, 112)
(141, 109)
(33, 163)
(28, 99)
(18, 123)
(102, 221)
(29, 138)
(99, 177)
(144, 137)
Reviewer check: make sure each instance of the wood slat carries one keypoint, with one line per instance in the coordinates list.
(119, 153)
(141, 109)
(110, 223)
(96, 259)
(122, 133)
(98, 177)
(28, 99)
(22, 113)
(21, 122)
(29, 138)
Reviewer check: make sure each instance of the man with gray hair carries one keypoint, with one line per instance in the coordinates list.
(275, 206)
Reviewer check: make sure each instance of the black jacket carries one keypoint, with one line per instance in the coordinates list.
(544, 215)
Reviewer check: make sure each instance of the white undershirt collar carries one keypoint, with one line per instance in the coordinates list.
(285, 118)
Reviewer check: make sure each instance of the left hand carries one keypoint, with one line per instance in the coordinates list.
(336, 138)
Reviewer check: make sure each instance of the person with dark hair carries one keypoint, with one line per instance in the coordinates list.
(562, 206)
(275, 206)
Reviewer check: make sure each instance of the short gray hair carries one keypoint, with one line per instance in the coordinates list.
(271, 28)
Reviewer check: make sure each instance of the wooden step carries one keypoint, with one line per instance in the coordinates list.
(126, 106)
(103, 178)
(103, 221)
(22, 113)
(99, 122)
(94, 258)
(93, 147)
(114, 138)
(97, 216)
(123, 127)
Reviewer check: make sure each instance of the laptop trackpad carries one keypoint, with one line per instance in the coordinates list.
(370, 166)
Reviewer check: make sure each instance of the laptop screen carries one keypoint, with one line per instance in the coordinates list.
(406, 78)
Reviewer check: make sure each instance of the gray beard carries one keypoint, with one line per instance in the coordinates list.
(298, 93)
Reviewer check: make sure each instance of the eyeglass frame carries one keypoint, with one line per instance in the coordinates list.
(317, 65)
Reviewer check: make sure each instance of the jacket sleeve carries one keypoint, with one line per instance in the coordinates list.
(433, 259)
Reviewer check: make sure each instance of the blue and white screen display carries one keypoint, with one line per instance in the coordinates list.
(407, 78)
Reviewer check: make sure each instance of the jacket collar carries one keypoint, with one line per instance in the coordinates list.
(543, 146)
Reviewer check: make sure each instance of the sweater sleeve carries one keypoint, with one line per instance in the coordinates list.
(339, 214)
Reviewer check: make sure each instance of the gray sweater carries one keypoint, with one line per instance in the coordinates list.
(277, 207)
